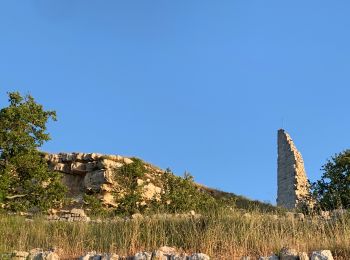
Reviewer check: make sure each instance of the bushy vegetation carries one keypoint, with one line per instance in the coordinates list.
(129, 195)
(26, 183)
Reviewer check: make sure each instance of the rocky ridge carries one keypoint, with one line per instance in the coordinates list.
(93, 173)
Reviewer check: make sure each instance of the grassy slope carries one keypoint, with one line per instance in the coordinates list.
(222, 235)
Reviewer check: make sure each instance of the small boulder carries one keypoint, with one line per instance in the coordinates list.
(78, 212)
(19, 255)
(322, 255)
(90, 256)
(289, 254)
(127, 160)
(199, 256)
(142, 256)
(137, 216)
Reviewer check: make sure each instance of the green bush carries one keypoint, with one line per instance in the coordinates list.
(183, 195)
(126, 177)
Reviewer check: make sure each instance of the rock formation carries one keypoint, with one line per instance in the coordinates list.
(293, 186)
(93, 173)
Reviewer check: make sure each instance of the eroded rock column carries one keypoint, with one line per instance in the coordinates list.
(293, 186)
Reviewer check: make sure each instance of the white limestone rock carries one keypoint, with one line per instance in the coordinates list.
(142, 256)
(199, 256)
(322, 255)
(293, 186)
(19, 255)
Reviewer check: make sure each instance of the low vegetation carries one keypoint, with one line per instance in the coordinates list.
(221, 234)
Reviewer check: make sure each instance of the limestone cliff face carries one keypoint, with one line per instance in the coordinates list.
(93, 173)
(293, 187)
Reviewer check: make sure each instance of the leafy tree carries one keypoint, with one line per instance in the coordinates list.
(333, 190)
(25, 179)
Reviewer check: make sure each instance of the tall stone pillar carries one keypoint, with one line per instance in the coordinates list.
(293, 186)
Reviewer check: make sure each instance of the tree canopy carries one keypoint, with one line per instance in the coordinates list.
(26, 181)
(333, 189)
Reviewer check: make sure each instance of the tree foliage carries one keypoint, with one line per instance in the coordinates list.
(25, 179)
(333, 190)
(183, 195)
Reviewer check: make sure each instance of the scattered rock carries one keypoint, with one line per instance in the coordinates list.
(142, 256)
(199, 256)
(136, 216)
(110, 257)
(74, 215)
(40, 254)
(322, 255)
(272, 257)
(289, 254)
(19, 255)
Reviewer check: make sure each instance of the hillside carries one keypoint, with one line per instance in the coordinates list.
(124, 185)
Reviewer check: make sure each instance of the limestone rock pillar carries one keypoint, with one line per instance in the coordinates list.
(293, 186)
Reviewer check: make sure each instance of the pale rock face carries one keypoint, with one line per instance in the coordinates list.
(109, 164)
(94, 180)
(151, 191)
(78, 168)
(293, 187)
(61, 167)
(108, 199)
(322, 255)
(93, 172)
(127, 160)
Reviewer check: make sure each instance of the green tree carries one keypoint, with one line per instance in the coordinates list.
(25, 179)
(333, 190)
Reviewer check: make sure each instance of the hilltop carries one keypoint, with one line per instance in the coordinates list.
(127, 185)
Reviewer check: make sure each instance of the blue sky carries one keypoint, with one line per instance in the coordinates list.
(199, 86)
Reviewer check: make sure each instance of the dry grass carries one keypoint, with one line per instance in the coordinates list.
(222, 235)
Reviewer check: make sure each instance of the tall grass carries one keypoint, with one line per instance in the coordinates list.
(221, 235)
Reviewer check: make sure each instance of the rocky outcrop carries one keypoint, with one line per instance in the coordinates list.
(73, 215)
(93, 173)
(293, 186)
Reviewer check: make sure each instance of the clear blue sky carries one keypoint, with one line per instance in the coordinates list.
(200, 86)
